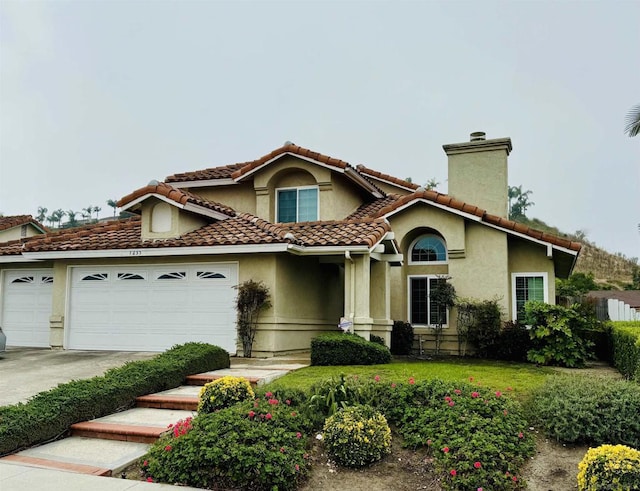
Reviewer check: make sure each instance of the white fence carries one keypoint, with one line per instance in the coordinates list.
(620, 311)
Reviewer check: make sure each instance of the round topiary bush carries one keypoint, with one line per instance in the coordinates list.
(615, 467)
(356, 436)
(224, 392)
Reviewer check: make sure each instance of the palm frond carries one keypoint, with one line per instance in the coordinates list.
(632, 121)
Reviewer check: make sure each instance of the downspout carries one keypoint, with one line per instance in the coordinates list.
(352, 293)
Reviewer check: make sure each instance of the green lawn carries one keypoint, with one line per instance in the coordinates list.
(521, 378)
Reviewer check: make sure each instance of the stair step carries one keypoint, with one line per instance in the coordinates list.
(158, 401)
(54, 464)
(122, 432)
(205, 378)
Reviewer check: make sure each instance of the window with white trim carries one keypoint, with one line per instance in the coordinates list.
(527, 287)
(428, 249)
(297, 204)
(422, 310)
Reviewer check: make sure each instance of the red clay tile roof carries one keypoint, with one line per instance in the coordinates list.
(16, 220)
(383, 207)
(11, 248)
(385, 177)
(177, 195)
(222, 172)
(242, 229)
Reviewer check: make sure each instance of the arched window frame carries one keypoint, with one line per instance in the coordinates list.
(424, 236)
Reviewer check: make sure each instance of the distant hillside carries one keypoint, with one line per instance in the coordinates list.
(609, 270)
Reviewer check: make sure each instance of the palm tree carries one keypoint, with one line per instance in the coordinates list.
(632, 127)
(42, 214)
(72, 218)
(87, 212)
(96, 210)
(112, 203)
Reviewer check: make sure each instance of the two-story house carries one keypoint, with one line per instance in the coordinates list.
(328, 239)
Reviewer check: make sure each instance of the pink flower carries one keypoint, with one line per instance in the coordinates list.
(288, 402)
(477, 465)
(453, 472)
(298, 435)
(268, 416)
(273, 402)
(149, 479)
(445, 449)
(297, 467)
(145, 463)
(294, 414)
(393, 385)
(167, 448)
(520, 435)
(480, 489)
(451, 403)
(412, 381)
(447, 398)
(498, 393)
(281, 449)
(251, 414)
(170, 425)
(514, 478)
(505, 412)
(377, 378)
(475, 394)
(268, 395)
(458, 391)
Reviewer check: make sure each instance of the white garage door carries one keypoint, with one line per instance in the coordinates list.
(26, 306)
(151, 308)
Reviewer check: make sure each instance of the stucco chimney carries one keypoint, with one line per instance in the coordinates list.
(478, 172)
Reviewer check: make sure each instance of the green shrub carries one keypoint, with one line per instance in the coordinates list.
(479, 438)
(224, 392)
(377, 339)
(588, 410)
(625, 342)
(401, 338)
(557, 335)
(484, 321)
(258, 445)
(613, 467)
(49, 414)
(513, 343)
(357, 436)
(347, 349)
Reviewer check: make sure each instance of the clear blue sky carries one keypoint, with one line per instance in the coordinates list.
(99, 97)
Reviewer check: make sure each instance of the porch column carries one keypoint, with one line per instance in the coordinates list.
(380, 300)
(357, 293)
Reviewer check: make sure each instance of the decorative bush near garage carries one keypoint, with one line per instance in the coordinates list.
(49, 415)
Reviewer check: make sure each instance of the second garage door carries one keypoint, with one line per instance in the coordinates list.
(151, 308)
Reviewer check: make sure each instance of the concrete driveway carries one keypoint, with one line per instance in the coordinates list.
(24, 372)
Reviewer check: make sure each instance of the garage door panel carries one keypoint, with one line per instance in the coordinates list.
(26, 307)
(169, 305)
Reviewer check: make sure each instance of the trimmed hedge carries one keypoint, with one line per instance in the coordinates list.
(401, 338)
(625, 340)
(347, 349)
(49, 414)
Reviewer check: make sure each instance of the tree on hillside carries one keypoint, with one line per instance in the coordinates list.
(72, 218)
(96, 210)
(518, 202)
(87, 212)
(632, 127)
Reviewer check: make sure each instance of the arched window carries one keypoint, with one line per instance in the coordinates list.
(428, 249)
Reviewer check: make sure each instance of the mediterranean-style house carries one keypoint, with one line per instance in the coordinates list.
(328, 239)
(19, 227)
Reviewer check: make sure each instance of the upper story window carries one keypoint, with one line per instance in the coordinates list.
(428, 249)
(527, 287)
(297, 204)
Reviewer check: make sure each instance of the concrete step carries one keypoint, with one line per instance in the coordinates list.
(184, 398)
(142, 425)
(81, 455)
(254, 374)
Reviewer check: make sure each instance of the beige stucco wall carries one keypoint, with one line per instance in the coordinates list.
(240, 196)
(15, 233)
(182, 222)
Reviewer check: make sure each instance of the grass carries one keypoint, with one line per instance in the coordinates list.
(497, 375)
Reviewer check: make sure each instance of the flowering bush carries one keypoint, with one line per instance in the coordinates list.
(258, 445)
(356, 436)
(614, 467)
(477, 436)
(224, 392)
